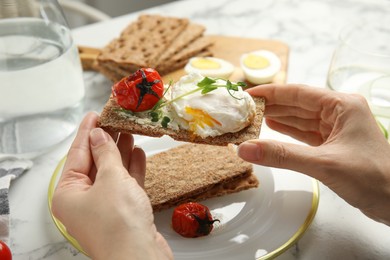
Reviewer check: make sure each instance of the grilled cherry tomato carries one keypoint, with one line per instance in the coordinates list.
(192, 220)
(5, 252)
(139, 91)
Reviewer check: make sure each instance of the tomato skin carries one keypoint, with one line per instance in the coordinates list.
(192, 220)
(5, 252)
(139, 91)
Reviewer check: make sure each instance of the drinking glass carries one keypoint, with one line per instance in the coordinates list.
(41, 82)
(361, 64)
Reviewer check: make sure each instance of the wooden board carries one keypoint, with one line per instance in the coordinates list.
(231, 48)
(226, 47)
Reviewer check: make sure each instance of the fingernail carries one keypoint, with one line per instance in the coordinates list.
(98, 137)
(249, 151)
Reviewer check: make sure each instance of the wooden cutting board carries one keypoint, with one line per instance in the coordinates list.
(231, 48)
(226, 47)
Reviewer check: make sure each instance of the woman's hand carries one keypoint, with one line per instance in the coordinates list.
(347, 152)
(100, 199)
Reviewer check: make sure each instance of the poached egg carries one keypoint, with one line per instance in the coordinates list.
(211, 114)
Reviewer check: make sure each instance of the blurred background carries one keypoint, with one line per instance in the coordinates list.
(83, 12)
(121, 7)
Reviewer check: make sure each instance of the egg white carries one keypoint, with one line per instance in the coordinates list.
(263, 75)
(233, 114)
(224, 71)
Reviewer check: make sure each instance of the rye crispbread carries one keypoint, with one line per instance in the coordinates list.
(194, 172)
(115, 74)
(112, 119)
(196, 48)
(184, 39)
(142, 42)
(153, 41)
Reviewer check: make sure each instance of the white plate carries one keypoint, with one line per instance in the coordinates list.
(259, 223)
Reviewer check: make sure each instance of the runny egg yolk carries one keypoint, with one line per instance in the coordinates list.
(205, 64)
(200, 118)
(254, 61)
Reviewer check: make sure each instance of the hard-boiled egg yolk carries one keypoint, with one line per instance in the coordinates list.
(210, 67)
(205, 64)
(260, 66)
(254, 61)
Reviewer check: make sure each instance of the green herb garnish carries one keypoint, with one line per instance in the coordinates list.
(205, 86)
(155, 116)
(165, 121)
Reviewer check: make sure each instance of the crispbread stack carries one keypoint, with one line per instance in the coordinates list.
(153, 41)
(188, 44)
(111, 119)
(194, 172)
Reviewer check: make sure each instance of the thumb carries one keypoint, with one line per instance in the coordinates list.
(105, 153)
(279, 155)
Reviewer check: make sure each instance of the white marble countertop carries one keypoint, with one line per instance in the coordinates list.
(310, 28)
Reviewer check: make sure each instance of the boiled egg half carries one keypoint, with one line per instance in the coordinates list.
(211, 114)
(260, 67)
(210, 67)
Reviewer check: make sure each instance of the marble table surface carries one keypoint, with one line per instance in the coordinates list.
(310, 28)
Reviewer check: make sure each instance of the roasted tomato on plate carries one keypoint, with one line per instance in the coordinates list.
(139, 91)
(192, 220)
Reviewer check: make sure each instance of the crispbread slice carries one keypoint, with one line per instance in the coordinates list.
(193, 172)
(244, 183)
(113, 120)
(142, 42)
(187, 36)
(181, 63)
(109, 73)
(116, 73)
(199, 45)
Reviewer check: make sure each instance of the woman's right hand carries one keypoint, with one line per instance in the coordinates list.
(347, 152)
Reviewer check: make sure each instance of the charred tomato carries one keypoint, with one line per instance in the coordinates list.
(139, 91)
(192, 220)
